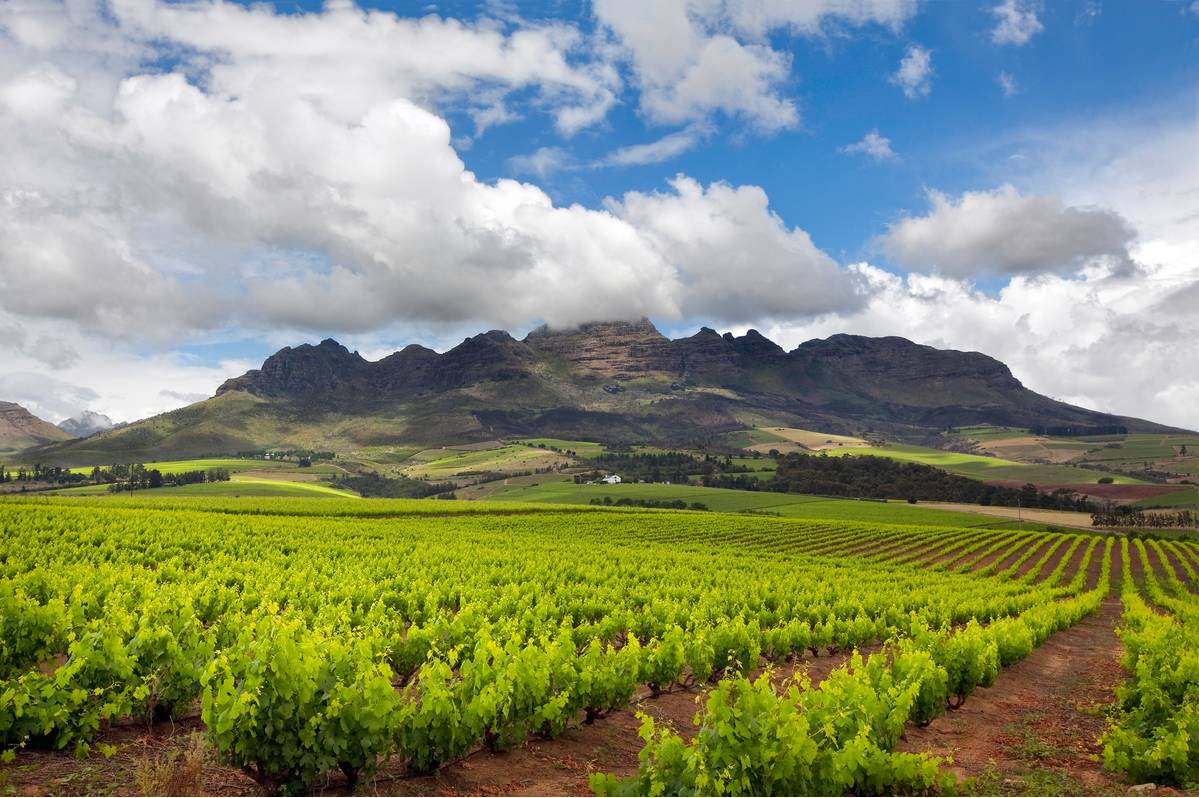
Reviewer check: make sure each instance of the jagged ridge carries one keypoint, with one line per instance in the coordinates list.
(610, 381)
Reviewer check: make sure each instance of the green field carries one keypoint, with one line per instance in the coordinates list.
(438, 464)
(787, 505)
(231, 464)
(988, 468)
(580, 448)
(742, 439)
(986, 432)
(298, 625)
(237, 486)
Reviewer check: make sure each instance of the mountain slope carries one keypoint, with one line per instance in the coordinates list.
(608, 381)
(20, 429)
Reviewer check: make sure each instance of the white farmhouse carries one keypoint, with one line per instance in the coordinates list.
(611, 479)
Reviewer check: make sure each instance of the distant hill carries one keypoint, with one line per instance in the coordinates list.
(86, 423)
(605, 381)
(20, 429)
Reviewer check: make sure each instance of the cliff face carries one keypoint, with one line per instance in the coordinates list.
(305, 370)
(20, 429)
(609, 350)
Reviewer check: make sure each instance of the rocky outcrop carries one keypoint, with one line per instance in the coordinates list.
(20, 429)
(305, 370)
(607, 350)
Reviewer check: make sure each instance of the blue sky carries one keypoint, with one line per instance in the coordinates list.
(1124, 58)
(195, 184)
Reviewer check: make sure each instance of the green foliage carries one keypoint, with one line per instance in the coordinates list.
(1155, 734)
(287, 705)
(327, 640)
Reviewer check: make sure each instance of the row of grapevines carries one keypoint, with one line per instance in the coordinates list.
(840, 738)
(1155, 734)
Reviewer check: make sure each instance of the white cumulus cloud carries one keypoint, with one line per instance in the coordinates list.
(1005, 232)
(872, 145)
(738, 260)
(915, 73)
(1016, 22)
(695, 58)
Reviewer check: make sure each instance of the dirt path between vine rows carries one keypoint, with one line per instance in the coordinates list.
(1036, 730)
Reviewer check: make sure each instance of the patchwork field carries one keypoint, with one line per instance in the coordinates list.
(231, 464)
(396, 670)
(789, 505)
(989, 468)
(1177, 454)
(239, 485)
(436, 464)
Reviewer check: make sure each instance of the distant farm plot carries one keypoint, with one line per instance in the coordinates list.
(580, 448)
(557, 490)
(986, 432)
(989, 468)
(238, 486)
(1175, 454)
(229, 464)
(445, 463)
(746, 438)
(815, 440)
(1186, 496)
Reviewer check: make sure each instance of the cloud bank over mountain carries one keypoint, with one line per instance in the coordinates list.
(183, 172)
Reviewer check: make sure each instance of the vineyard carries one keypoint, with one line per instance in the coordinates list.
(338, 644)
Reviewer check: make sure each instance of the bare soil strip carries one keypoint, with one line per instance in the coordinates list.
(1071, 567)
(1011, 560)
(1010, 550)
(1035, 730)
(1055, 545)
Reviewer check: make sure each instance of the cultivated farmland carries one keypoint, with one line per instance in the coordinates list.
(416, 647)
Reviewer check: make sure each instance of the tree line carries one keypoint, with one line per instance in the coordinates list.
(870, 477)
(1134, 518)
(1078, 430)
(136, 476)
(376, 486)
(41, 474)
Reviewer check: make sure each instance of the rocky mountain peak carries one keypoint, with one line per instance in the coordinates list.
(305, 369)
(86, 423)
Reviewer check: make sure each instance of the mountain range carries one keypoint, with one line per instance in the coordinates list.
(605, 381)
